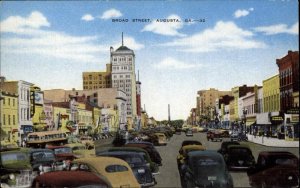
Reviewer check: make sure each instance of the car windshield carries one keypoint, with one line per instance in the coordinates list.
(62, 150)
(131, 159)
(12, 157)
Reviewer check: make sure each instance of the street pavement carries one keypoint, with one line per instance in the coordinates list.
(169, 176)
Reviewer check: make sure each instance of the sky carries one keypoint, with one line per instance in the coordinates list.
(181, 47)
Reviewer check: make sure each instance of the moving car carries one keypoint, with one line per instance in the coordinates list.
(206, 169)
(162, 139)
(42, 160)
(116, 171)
(183, 152)
(79, 150)
(275, 169)
(63, 155)
(214, 135)
(235, 136)
(189, 132)
(224, 146)
(239, 157)
(70, 179)
(137, 163)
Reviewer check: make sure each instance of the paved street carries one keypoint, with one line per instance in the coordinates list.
(169, 176)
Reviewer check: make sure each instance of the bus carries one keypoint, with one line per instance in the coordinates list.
(43, 138)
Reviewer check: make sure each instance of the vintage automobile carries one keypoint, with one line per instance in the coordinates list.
(87, 141)
(225, 133)
(205, 169)
(239, 157)
(42, 160)
(64, 155)
(70, 179)
(189, 132)
(153, 153)
(190, 142)
(116, 171)
(153, 166)
(79, 150)
(178, 131)
(235, 136)
(214, 135)
(275, 169)
(15, 168)
(162, 139)
(183, 152)
(224, 146)
(137, 163)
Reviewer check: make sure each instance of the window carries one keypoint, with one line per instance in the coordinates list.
(14, 120)
(8, 119)
(4, 119)
(116, 168)
(8, 101)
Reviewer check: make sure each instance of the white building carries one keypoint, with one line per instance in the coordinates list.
(123, 77)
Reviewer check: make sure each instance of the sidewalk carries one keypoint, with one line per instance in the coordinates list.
(272, 142)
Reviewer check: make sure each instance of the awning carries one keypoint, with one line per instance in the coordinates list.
(249, 123)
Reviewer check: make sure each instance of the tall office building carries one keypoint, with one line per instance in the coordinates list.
(123, 77)
(97, 80)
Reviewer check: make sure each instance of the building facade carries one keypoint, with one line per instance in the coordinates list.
(97, 80)
(123, 78)
(271, 94)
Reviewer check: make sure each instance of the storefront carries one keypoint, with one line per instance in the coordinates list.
(291, 125)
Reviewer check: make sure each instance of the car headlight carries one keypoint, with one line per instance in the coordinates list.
(12, 176)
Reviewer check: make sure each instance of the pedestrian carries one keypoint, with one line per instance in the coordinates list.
(23, 143)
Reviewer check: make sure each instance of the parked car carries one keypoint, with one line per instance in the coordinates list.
(190, 142)
(153, 166)
(15, 168)
(64, 155)
(235, 136)
(71, 179)
(239, 157)
(225, 133)
(224, 146)
(275, 169)
(116, 171)
(154, 154)
(214, 135)
(189, 132)
(183, 152)
(162, 139)
(137, 163)
(42, 160)
(205, 169)
(79, 150)
(178, 131)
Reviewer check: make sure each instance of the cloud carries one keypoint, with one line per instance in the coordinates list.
(30, 38)
(130, 43)
(224, 36)
(17, 24)
(165, 28)
(87, 17)
(171, 63)
(111, 13)
(278, 29)
(241, 13)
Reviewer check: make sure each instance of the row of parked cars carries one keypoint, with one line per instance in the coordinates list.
(133, 165)
(199, 167)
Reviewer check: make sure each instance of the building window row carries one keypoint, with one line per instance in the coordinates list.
(11, 119)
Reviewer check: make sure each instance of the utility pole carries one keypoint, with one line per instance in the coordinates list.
(169, 115)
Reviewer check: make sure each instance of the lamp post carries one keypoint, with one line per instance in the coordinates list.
(244, 120)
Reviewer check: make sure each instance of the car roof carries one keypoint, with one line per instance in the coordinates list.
(54, 147)
(198, 147)
(140, 142)
(40, 150)
(127, 153)
(239, 146)
(269, 153)
(70, 179)
(190, 142)
(204, 153)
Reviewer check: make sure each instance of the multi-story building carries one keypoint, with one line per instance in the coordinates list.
(271, 94)
(39, 116)
(25, 108)
(97, 80)
(9, 125)
(207, 101)
(123, 78)
(289, 79)
(138, 104)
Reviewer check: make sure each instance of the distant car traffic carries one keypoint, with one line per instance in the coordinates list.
(275, 169)
(205, 169)
(214, 135)
(190, 142)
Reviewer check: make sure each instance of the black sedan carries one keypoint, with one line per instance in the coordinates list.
(206, 169)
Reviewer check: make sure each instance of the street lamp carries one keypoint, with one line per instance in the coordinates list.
(244, 120)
